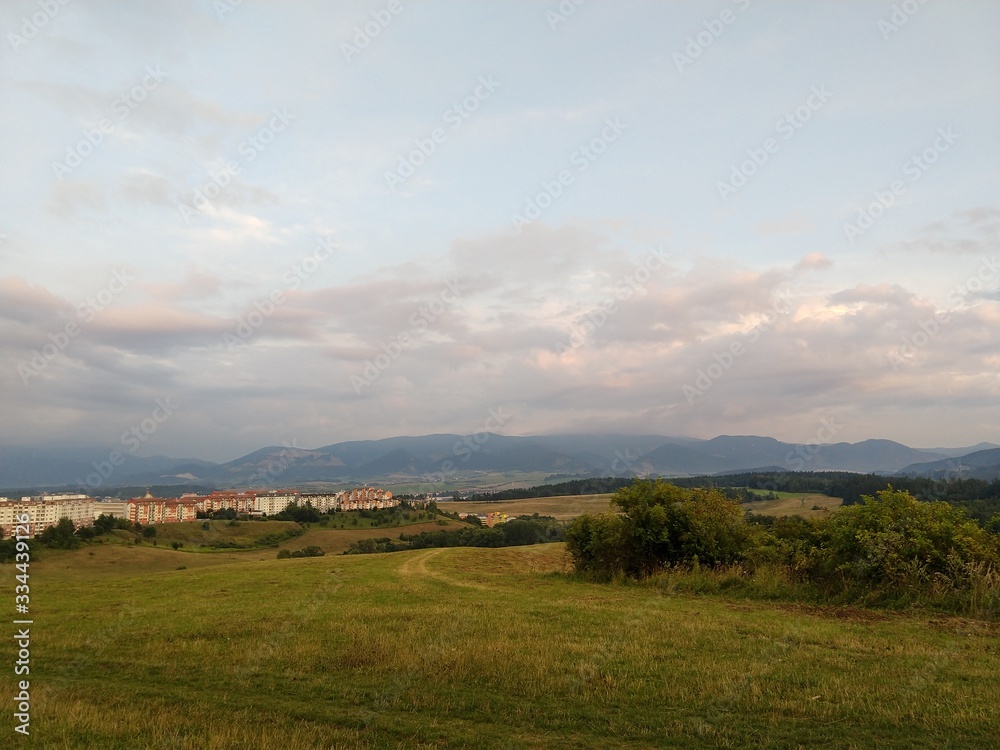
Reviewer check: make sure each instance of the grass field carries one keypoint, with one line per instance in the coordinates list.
(193, 534)
(479, 648)
(563, 507)
(335, 541)
(795, 504)
(566, 507)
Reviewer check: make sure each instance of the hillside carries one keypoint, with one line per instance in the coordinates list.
(479, 648)
(984, 464)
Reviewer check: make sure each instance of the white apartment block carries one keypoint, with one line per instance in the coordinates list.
(110, 508)
(46, 510)
(272, 503)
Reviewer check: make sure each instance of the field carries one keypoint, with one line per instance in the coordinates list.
(335, 541)
(563, 507)
(795, 504)
(192, 535)
(484, 648)
(570, 506)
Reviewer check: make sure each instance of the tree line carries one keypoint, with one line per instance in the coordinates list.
(517, 532)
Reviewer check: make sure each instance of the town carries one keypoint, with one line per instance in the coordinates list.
(46, 510)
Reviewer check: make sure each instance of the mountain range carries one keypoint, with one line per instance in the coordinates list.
(442, 457)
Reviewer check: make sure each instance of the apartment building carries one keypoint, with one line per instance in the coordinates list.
(46, 510)
(272, 503)
(241, 502)
(150, 510)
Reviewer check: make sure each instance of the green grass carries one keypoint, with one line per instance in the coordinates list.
(196, 538)
(479, 648)
(354, 520)
(563, 507)
(795, 504)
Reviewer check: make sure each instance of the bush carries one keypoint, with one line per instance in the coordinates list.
(311, 551)
(660, 525)
(600, 545)
(284, 554)
(896, 540)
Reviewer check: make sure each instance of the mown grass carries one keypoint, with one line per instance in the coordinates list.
(796, 504)
(483, 648)
(563, 507)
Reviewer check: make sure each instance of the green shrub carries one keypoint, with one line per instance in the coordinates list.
(895, 540)
(660, 524)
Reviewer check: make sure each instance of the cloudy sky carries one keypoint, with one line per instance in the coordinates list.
(307, 222)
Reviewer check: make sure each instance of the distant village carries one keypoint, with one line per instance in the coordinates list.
(46, 510)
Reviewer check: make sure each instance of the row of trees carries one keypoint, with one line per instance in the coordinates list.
(592, 486)
(889, 541)
(517, 532)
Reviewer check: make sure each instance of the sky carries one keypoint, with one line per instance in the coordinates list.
(226, 225)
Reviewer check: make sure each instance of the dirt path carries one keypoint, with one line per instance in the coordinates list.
(417, 565)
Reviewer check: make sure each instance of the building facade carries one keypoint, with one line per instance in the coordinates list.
(272, 503)
(150, 510)
(44, 511)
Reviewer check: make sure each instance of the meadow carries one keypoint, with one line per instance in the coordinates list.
(483, 648)
(795, 504)
(562, 507)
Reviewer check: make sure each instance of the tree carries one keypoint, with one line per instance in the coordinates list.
(60, 536)
(104, 523)
(660, 524)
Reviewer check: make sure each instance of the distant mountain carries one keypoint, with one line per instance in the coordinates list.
(734, 453)
(984, 464)
(430, 458)
(956, 452)
(88, 467)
